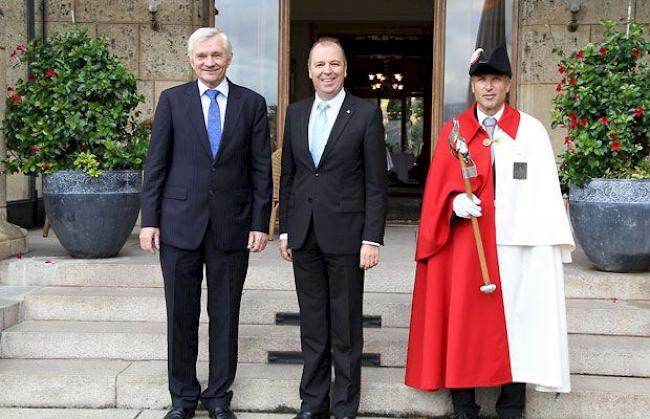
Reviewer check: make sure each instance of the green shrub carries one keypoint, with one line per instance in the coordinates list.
(604, 102)
(75, 107)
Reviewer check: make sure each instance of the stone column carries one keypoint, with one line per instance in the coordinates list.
(12, 238)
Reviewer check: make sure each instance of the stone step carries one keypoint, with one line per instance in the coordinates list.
(274, 388)
(267, 272)
(589, 354)
(611, 317)
(9, 313)
(35, 413)
(148, 304)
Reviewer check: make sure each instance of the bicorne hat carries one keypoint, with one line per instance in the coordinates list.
(495, 63)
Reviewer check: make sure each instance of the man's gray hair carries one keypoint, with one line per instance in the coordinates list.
(203, 34)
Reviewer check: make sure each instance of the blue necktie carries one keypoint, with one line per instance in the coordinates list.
(319, 133)
(214, 121)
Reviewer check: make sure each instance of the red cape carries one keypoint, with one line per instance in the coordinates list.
(458, 334)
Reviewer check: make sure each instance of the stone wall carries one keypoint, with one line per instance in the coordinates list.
(542, 27)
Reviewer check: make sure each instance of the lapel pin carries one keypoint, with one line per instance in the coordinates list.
(348, 111)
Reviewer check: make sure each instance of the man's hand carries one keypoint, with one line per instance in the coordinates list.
(285, 252)
(257, 241)
(465, 207)
(369, 256)
(150, 239)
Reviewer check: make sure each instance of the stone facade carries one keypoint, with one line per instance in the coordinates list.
(159, 61)
(542, 27)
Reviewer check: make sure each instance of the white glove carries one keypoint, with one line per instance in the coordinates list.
(466, 208)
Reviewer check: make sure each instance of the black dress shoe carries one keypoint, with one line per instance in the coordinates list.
(179, 413)
(221, 413)
(310, 415)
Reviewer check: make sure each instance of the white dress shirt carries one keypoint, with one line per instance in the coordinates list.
(222, 99)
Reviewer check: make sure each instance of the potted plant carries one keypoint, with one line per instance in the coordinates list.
(603, 101)
(72, 121)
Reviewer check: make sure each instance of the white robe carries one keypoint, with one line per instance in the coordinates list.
(533, 239)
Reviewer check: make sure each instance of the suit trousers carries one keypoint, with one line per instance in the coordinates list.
(330, 296)
(510, 404)
(183, 273)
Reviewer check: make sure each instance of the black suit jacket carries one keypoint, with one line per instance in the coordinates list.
(185, 188)
(345, 195)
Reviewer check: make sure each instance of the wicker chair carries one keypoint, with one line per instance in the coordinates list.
(275, 164)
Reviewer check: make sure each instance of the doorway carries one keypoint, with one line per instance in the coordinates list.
(390, 61)
(410, 57)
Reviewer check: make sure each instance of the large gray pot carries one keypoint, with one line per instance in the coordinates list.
(611, 220)
(92, 216)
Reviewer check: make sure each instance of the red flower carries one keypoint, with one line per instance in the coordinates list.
(45, 166)
(568, 140)
(561, 69)
(615, 146)
(19, 48)
(572, 116)
(604, 120)
(49, 73)
(639, 112)
(573, 82)
(572, 123)
(584, 122)
(10, 89)
(31, 76)
(16, 98)
(613, 135)
(558, 87)
(602, 51)
(580, 55)
(636, 53)
(34, 148)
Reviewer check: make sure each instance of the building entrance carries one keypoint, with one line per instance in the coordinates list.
(390, 60)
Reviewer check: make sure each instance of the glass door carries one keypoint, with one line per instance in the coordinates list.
(253, 27)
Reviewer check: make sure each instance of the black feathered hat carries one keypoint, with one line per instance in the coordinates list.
(496, 63)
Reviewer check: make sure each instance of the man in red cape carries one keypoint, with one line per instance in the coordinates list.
(461, 338)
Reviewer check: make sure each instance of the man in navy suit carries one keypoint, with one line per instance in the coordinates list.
(332, 215)
(206, 201)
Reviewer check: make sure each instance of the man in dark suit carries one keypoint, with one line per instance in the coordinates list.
(332, 215)
(206, 200)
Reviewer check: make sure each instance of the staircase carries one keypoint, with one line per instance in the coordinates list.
(89, 336)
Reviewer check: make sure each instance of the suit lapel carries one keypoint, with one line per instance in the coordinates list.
(233, 111)
(344, 116)
(194, 112)
(304, 129)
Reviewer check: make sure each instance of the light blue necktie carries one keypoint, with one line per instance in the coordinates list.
(490, 123)
(319, 133)
(214, 121)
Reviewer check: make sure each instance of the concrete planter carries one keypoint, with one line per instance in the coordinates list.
(92, 216)
(611, 220)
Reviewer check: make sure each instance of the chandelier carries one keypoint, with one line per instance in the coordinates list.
(380, 81)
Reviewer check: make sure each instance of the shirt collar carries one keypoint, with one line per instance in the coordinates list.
(222, 88)
(335, 103)
(481, 116)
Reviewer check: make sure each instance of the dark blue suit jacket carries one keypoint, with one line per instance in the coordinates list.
(185, 189)
(344, 198)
